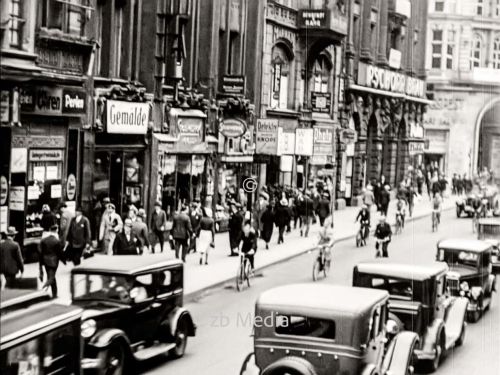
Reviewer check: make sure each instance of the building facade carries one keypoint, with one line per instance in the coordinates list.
(462, 126)
(385, 97)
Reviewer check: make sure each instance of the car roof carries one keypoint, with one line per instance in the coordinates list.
(489, 221)
(125, 264)
(325, 299)
(385, 267)
(464, 244)
(11, 298)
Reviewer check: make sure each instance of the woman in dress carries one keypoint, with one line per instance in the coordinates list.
(267, 220)
(206, 239)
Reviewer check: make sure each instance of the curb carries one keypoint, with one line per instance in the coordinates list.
(198, 294)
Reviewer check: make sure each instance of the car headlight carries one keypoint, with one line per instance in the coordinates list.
(88, 328)
(475, 293)
(464, 285)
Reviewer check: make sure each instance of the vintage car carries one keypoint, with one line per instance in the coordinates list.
(320, 329)
(419, 302)
(38, 336)
(488, 229)
(470, 272)
(464, 205)
(132, 310)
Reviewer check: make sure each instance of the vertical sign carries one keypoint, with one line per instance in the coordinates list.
(267, 136)
(304, 142)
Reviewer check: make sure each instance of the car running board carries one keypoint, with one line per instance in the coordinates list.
(153, 351)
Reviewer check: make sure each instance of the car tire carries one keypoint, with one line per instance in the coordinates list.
(474, 316)
(114, 359)
(290, 366)
(180, 339)
(461, 338)
(440, 353)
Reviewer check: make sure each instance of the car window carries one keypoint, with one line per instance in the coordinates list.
(101, 287)
(452, 257)
(163, 280)
(440, 286)
(375, 323)
(295, 325)
(23, 359)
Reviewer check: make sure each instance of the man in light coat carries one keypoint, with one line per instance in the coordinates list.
(111, 224)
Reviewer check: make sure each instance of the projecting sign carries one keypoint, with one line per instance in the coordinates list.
(127, 117)
(267, 136)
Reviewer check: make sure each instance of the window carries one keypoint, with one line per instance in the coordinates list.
(321, 74)
(476, 54)
(16, 23)
(117, 35)
(437, 46)
(66, 15)
(305, 326)
(496, 53)
(479, 7)
(280, 68)
(439, 6)
(450, 47)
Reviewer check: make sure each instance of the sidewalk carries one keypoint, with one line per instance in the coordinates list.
(222, 268)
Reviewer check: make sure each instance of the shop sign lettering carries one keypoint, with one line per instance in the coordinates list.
(52, 100)
(304, 142)
(232, 128)
(127, 117)
(60, 60)
(233, 84)
(312, 18)
(267, 136)
(416, 148)
(321, 102)
(74, 101)
(323, 140)
(190, 130)
(46, 155)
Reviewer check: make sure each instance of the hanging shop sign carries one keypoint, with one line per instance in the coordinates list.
(233, 84)
(323, 140)
(4, 105)
(312, 18)
(232, 128)
(16, 198)
(198, 165)
(388, 80)
(286, 142)
(54, 101)
(190, 130)
(4, 190)
(127, 117)
(416, 148)
(46, 155)
(267, 136)
(71, 187)
(18, 160)
(304, 142)
(321, 102)
(348, 136)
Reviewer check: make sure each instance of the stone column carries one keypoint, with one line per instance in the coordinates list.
(383, 30)
(366, 34)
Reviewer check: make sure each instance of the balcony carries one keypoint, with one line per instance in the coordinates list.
(281, 14)
(323, 22)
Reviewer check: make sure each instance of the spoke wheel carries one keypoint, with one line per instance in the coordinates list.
(316, 269)
(113, 358)
(181, 336)
(247, 272)
(326, 268)
(239, 279)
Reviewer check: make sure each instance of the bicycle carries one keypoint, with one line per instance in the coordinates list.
(435, 220)
(381, 247)
(399, 223)
(475, 220)
(362, 234)
(323, 262)
(244, 273)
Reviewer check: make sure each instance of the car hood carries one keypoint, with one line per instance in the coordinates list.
(96, 309)
(458, 272)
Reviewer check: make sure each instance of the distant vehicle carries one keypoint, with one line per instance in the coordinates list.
(320, 329)
(419, 302)
(489, 231)
(470, 272)
(132, 310)
(464, 205)
(38, 336)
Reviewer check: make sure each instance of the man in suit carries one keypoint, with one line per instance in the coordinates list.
(11, 259)
(78, 236)
(111, 224)
(159, 225)
(64, 221)
(181, 232)
(51, 253)
(126, 242)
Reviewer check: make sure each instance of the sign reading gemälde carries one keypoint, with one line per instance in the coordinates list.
(127, 117)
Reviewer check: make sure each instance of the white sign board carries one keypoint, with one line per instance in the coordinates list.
(304, 142)
(127, 117)
(16, 198)
(395, 58)
(286, 142)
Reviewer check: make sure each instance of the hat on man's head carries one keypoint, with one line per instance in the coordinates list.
(106, 200)
(157, 204)
(11, 231)
(79, 209)
(111, 205)
(63, 205)
(54, 228)
(141, 212)
(127, 222)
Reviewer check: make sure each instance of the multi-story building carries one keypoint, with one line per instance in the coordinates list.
(385, 91)
(46, 52)
(462, 126)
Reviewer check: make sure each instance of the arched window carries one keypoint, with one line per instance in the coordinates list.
(496, 53)
(476, 52)
(280, 71)
(321, 73)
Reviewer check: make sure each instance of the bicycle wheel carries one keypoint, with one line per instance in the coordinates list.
(247, 272)
(316, 269)
(239, 278)
(327, 265)
(358, 240)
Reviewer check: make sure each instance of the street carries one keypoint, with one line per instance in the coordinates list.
(224, 317)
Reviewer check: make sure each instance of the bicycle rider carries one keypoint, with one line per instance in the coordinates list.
(326, 239)
(248, 243)
(401, 210)
(364, 220)
(383, 233)
(437, 203)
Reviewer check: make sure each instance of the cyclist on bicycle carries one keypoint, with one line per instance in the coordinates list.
(364, 220)
(248, 243)
(383, 234)
(326, 234)
(401, 210)
(437, 203)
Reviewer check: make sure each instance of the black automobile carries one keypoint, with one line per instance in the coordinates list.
(466, 205)
(132, 310)
(38, 336)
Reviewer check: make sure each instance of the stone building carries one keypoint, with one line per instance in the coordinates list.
(462, 126)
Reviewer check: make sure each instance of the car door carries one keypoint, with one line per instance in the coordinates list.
(169, 283)
(377, 339)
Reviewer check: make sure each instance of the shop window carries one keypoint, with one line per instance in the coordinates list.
(66, 15)
(280, 68)
(476, 53)
(437, 46)
(496, 53)
(16, 23)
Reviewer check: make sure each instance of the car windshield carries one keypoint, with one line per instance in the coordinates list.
(454, 257)
(102, 287)
(404, 289)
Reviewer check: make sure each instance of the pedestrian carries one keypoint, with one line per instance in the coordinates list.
(11, 259)
(140, 230)
(181, 232)
(307, 214)
(420, 181)
(111, 224)
(323, 210)
(368, 197)
(66, 216)
(460, 185)
(78, 237)
(195, 216)
(206, 237)
(48, 220)
(443, 183)
(454, 184)
(385, 199)
(235, 228)
(159, 226)
(435, 185)
(281, 218)
(316, 196)
(383, 232)
(51, 253)
(267, 220)
(249, 243)
(126, 242)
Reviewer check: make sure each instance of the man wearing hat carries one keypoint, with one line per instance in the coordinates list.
(65, 219)
(11, 259)
(140, 229)
(78, 237)
(282, 218)
(159, 225)
(51, 253)
(126, 243)
(235, 227)
(111, 224)
(181, 232)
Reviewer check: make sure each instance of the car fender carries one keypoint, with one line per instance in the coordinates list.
(432, 335)
(176, 315)
(491, 283)
(400, 353)
(105, 337)
(455, 317)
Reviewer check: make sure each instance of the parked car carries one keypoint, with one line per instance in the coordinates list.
(470, 272)
(38, 336)
(464, 205)
(221, 219)
(489, 231)
(132, 310)
(321, 329)
(419, 302)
